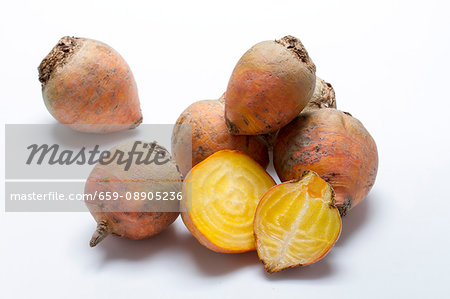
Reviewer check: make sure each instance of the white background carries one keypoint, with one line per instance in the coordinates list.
(389, 64)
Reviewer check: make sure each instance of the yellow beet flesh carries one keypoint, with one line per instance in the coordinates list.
(220, 198)
(296, 223)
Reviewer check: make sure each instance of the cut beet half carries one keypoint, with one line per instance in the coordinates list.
(220, 196)
(296, 223)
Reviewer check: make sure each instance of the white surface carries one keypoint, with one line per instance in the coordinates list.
(388, 62)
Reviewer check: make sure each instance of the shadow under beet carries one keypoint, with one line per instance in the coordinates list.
(210, 263)
(116, 248)
(355, 219)
(68, 137)
(178, 241)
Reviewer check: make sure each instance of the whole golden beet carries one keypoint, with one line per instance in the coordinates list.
(208, 134)
(88, 86)
(125, 201)
(270, 85)
(333, 144)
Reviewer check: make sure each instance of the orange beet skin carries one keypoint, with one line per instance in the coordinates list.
(333, 144)
(124, 202)
(208, 134)
(88, 86)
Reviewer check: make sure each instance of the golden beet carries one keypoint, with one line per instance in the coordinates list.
(333, 144)
(134, 203)
(88, 86)
(270, 85)
(202, 127)
(296, 223)
(220, 195)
